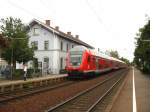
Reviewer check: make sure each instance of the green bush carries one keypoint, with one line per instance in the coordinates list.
(19, 73)
(63, 71)
(146, 70)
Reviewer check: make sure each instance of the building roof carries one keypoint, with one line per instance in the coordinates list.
(60, 33)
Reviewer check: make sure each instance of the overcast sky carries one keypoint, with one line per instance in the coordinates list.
(104, 24)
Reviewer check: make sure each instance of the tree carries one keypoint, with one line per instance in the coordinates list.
(3, 42)
(142, 50)
(125, 60)
(15, 32)
(113, 54)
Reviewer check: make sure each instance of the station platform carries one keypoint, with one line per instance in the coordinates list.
(11, 84)
(124, 100)
(142, 89)
(3, 82)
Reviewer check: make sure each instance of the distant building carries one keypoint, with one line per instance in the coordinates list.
(51, 45)
(3, 44)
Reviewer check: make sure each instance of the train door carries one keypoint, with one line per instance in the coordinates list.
(88, 62)
(102, 63)
(97, 63)
(94, 63)
(111, 64)
(91, 62)
(107, 64)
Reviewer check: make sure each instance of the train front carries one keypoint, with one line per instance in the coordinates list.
(75, 61)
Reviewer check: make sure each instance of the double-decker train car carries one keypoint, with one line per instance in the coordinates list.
(84, 62)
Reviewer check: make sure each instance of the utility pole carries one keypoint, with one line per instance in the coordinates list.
(12, 64)
(12, 55)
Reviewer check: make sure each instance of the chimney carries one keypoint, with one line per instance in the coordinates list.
(47, 22)
(69, 33)
(77, 36)
(57, 27)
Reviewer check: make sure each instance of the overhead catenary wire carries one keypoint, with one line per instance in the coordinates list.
(47, 7)
(97, 16)
(94, 12)
(24, 10)
(100, 20)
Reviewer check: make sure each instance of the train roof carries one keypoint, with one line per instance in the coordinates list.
(100, 54)
(94, 52)
(115, 59)
(79, 48)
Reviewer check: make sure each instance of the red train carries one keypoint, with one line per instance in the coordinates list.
(83, 62)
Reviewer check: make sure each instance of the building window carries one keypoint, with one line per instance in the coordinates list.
(61, 63)
(72, 46)
(39, 65)
(34, 45)
(46, 61)
(46, 64)
(35, 31)
(46, 45)
(67, 46)
(61, 46)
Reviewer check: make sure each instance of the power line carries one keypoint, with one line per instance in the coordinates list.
(23, 9)
(96, 15)
(47, 7)
(93, 10)
(99, 18)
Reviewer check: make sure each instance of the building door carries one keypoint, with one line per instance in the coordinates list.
(46, 65)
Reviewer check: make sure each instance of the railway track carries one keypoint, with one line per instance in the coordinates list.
(87, 100)
(9, 96)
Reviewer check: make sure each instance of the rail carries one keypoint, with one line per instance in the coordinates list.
(62, 105)
(5, 97)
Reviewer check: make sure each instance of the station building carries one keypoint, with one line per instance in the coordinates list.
(51, 45)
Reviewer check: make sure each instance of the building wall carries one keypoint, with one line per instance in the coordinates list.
(56, 55)
(59, 55)
(3, 63)
(41, 36)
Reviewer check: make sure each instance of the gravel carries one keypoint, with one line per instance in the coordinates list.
(42, 101)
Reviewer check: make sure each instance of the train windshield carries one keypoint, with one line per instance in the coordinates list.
(75, 57)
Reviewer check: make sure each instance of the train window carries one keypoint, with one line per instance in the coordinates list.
(94, 59)
(76, 52)
(99, 66)
(75, 58)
